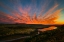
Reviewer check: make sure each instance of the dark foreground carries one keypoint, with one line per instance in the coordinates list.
(20, 33)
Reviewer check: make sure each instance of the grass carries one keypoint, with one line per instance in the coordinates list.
(47, 36)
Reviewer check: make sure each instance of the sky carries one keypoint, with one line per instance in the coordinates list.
(32, 11)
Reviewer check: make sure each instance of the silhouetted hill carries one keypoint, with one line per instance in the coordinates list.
(20, 23)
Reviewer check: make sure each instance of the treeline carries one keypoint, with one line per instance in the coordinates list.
(34, 26)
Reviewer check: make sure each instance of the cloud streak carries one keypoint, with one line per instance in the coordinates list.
(23, 15)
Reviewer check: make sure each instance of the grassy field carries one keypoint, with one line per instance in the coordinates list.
(49, 36)
(10, 29)
(15, 31)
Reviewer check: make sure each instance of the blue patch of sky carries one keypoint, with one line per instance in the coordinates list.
(26, 3)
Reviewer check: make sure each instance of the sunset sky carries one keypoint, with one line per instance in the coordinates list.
(32, 11)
